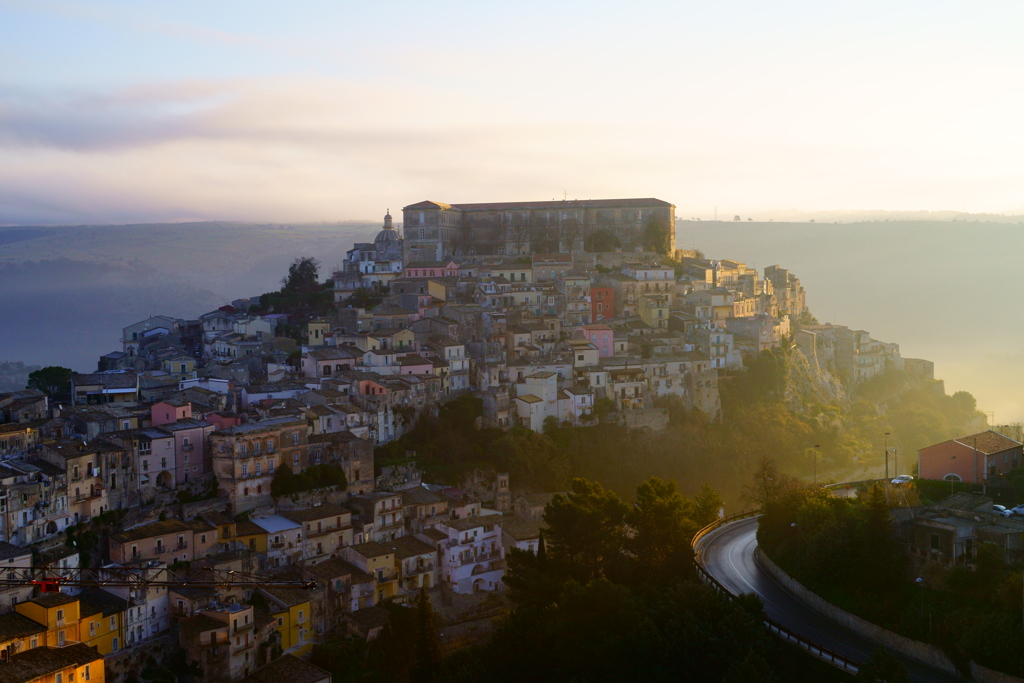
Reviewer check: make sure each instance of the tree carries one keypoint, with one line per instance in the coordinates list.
(283, 483)
(656, 236)
(303, 275)
(586, 529)
(570, 231)
(518, 234)
(882, 667)
(428, 644)
(602, 240)
(707, 503)
(660, 531)
(54, 381)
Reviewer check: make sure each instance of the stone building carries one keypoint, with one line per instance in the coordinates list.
(435, 230)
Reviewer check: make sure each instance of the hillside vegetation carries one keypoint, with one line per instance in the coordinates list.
(779, 408)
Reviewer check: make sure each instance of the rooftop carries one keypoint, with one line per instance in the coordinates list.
(288, 669)
(988, 442)
(40, 662)
(372, 549)
(466, 523)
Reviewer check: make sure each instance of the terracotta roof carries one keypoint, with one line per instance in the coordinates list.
(409, 546)
(40, 662)
(319, 512)
(988, 442)
(288, 669)
(16, 625)
(372, 549)
(521, 530)
(160, 528)
(564, 204)
(467, 523)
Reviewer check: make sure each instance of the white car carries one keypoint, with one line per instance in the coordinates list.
(1019, 510)
(902, 479)
(1000, 510)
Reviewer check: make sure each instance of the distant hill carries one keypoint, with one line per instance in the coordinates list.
(68, 291)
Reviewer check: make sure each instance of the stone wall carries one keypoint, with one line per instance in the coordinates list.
(925, 653)
(117, 667)
(652, 418)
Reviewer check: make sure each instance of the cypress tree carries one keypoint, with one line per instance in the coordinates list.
(428, 643)
(542, 553)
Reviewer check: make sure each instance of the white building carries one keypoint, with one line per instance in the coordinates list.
(473, 558)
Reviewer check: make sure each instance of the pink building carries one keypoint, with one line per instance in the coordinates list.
(172, 410)
(431, 269)
(190, 448)
(969, 458)
(169, 540)
(600, 336)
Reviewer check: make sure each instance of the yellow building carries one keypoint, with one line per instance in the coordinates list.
(59, 613)
(251, 535)
(102, 623)
(653, 310)
(377, 560)
(291, 609)
(316, 331)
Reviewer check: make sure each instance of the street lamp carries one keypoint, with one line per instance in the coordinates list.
(886, 483)
(886, 450)
(920, 583)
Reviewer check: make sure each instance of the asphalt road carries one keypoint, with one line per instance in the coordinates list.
(728, 555)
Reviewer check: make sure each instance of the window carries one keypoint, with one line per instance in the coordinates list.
(88, 673)
(256, 448)
(270, 445)
(245, 470)
(113, 645)
(258, 469)
(113, 626)
(935, 542)
(270, 467)
(295, 435)
(241, 449)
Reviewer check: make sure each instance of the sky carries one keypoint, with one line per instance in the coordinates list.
(116, 112)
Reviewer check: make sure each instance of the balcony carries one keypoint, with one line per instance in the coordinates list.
(482, 557)
(182, 545)
(277, 546)
(385, 578)
(187, 448)
(239, 649)
(428, 567)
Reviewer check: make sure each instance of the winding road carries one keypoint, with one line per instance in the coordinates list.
(727, 553)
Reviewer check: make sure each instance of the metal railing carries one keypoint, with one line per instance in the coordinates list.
(820, 651)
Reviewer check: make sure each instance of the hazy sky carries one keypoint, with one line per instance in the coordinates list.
(128, 111)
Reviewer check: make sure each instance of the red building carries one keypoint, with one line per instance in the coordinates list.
(602, 303)
(970, 458)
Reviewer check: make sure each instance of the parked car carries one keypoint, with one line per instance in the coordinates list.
(1019, 510)
(902, 479)
(1001, 510)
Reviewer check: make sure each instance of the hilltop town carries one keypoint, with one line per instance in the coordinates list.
(244, 440)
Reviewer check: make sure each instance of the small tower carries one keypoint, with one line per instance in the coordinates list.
(502, 496)
(387, 221)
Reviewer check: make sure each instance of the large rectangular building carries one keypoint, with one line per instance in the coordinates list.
(436, 231)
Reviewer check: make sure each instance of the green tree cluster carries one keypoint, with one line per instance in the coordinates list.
(611, 596)
(286, 482)
(54, 381)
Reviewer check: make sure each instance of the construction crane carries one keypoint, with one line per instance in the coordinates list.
(51, 581)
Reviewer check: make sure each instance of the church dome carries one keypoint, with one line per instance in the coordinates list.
(387, 240)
